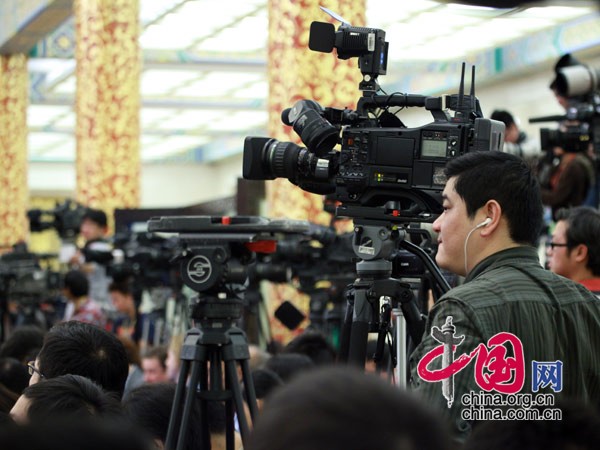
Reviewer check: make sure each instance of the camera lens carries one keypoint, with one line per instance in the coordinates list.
(316, 132)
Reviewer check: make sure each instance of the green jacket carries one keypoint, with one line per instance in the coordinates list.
(554, 318)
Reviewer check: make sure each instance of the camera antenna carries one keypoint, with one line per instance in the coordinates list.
(461, 89)
(473, 105)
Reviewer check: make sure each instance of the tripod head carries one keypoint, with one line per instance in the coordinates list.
(377, 242)
(216, 255)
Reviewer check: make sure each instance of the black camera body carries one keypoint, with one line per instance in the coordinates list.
(580, 125)
(65, 218)
(384, 170)
(379, 164)
(24, 280)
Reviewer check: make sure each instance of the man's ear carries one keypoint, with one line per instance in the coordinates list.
(493, 212)
(580, 252)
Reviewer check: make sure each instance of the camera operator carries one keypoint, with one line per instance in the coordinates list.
(570, 182)
(516, 141)
(487, 232)
(571, 179)
(95, 255)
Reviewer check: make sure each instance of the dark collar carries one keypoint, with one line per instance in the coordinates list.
(524, 253)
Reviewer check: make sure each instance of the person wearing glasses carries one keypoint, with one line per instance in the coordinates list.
(84, 349)
(574, 251)
(68, 395)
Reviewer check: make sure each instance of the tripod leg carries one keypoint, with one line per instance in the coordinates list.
(232, 379)
(176, 408)
(363, 317)
(249, 387)
(346, 331)
(187, 407)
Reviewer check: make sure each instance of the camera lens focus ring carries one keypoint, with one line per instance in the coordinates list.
(278, 158)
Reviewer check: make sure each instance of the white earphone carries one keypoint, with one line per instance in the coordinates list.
(485, 223)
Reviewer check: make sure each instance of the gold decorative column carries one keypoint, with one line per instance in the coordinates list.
(14, 95)
(108, 103)
(295, 73)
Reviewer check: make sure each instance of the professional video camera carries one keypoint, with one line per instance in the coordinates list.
(24, 280)
(381, 160)
(580, 125)
(318, 263)
(144, 257)
(385, 176)
(65, 218)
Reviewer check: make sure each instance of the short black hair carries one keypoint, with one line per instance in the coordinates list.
(13, 374)
(265, 381)
(84, 349)
(23, 342)
(566, 60)
(95, 215)
(314, 344)
(503, 116)
(77, 283)
(68, 434)
(149, 407)
(69, 395)
(583, 227)
(343, 408)
(289, 365)
(491, 175)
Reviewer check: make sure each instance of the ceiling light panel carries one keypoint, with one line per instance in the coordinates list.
(193, 119)
(152, 116)
(51, 146)
(171, 146)
(44, 115)
(556, 13)
(158, 82)
(66, 87)
(150, 10)
(217, 84)
(378, 11)
(65, 151)
(241, 120)
(258, 90)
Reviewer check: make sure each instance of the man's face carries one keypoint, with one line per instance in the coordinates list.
(511, 134)
(120, 301)
(154, 372)
(18, 413)
(560, 259)
(91, 230)
(452, 227)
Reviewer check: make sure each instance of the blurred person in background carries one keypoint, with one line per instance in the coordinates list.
(95, 254)
(80, 306)
(574, 251)
(516, 141)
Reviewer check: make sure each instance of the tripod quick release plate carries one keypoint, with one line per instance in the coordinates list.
(210, 225)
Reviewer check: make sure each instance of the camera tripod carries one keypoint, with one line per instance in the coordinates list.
(376, 244)
(215, 255)
(215, 345)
